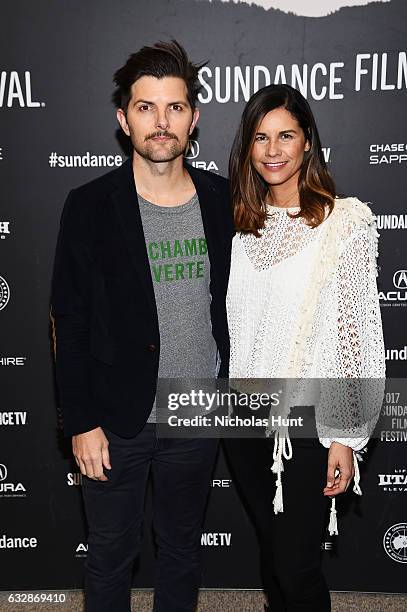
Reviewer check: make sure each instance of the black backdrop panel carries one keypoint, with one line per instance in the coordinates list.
(57, 62)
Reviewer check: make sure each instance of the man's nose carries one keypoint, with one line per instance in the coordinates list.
(162, 120)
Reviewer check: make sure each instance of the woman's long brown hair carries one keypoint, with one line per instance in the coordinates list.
(248, 189)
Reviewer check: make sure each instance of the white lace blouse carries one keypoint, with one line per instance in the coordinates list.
(303, 303)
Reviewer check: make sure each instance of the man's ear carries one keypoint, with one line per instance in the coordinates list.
(195, 118)
(121, 118)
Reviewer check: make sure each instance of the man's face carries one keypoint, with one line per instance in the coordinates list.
(159, 118)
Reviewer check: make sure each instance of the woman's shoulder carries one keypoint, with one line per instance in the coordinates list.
(351, 214)
(354, 210)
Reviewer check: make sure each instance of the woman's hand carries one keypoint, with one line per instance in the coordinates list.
(340, 457)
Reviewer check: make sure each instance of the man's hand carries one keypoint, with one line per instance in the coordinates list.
(340, 457)
(91, 453)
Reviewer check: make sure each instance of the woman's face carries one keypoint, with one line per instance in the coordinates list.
(279, 146)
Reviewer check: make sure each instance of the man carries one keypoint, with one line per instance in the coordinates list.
(139, 285)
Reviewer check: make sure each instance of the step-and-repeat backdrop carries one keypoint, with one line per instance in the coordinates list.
(58, 130)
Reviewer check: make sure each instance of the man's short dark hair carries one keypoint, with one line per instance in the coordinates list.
(163, 59)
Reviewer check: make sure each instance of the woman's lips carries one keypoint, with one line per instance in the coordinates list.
(274, 167)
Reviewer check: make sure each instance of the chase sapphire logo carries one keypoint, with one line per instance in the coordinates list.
(4, 293)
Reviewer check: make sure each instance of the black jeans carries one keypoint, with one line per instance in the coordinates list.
(289, 542)
(181, 470)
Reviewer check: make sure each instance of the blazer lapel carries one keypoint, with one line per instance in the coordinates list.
(208, 196)
(128, 210)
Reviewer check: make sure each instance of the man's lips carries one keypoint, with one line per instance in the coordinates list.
(162, 137)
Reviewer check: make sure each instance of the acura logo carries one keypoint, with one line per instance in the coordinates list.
(400, 279)
(3, 472)
(192, 149)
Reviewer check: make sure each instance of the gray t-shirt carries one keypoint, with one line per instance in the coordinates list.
(180, 271)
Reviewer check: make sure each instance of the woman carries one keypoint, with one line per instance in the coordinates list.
(302, 304)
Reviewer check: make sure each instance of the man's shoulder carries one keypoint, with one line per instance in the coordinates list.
(102, 185)
(210, 178)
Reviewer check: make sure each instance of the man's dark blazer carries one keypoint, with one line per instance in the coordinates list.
(103, 305)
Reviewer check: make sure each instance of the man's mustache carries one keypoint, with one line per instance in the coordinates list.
(161, 134)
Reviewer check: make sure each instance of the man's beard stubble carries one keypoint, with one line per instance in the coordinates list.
(164, 154)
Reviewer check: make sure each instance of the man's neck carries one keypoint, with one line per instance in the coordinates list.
(165, 184)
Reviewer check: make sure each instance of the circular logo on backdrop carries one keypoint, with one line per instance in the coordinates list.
(4, 293)
(192, 149)
(400, 279)
(3, 472)
(395, 542)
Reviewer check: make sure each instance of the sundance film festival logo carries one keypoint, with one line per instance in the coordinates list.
(391, 222)
(394, 354)
(4, 229)
(13, 418)
(396, 298)
(16, 90)
(395, 542)
(73, 479)
(87, 160)
(395, 482)
(216, 539)
(19, 542)
(10, 489)
(4, 293)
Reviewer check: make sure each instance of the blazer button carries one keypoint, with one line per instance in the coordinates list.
(151, 347)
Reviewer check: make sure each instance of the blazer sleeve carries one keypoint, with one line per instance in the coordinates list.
(70, 316)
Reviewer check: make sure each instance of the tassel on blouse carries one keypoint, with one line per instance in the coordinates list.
(333, 522)
(356, 478)
(282, 448)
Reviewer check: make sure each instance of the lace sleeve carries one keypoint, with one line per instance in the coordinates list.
(352, 395)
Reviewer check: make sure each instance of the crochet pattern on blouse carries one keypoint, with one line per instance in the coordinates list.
(303, 303)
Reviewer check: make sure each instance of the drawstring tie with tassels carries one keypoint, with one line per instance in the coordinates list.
(333, 522)
(283, 448)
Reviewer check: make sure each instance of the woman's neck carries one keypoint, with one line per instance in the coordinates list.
(285, 195)
(283, 200)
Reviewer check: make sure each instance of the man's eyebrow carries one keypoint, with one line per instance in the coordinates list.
(183, 102)
(143, 101)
